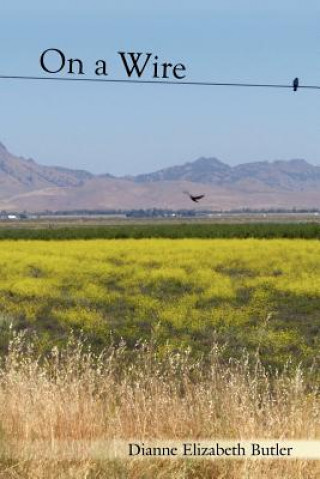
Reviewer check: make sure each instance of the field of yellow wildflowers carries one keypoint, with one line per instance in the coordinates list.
(256, 294)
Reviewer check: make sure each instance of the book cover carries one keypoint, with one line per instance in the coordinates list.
(159, 227)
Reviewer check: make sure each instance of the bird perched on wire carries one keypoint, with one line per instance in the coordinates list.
(295, 84)
(194, 198)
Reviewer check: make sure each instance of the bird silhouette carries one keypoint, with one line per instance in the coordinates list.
(194, 198)
(295, 84)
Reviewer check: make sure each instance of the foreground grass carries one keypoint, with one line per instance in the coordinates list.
(73, 395)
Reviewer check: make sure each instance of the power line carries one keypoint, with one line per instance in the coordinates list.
(156, 82)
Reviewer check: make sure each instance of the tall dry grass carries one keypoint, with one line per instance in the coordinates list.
(73, 397)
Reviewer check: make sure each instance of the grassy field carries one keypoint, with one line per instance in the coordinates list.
(57, 413)
(157, 339)
(173, 229)
(262, 295)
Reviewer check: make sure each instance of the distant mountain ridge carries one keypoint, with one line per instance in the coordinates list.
(203, 170)
(290, 174)
(18, 174)
(28, 185)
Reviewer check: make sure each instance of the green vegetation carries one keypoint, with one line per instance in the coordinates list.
(173, 231)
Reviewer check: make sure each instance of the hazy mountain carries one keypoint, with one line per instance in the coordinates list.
(292, 174)
(203, 170)
(20, 175)
(27, 185)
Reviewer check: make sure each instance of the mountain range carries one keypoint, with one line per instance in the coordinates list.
(26, 185)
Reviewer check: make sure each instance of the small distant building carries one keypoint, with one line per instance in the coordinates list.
(4, 215)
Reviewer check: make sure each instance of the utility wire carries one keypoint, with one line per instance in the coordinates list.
(155, 82)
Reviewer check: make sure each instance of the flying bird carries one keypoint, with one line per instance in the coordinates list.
(194, 198)
(295, 84)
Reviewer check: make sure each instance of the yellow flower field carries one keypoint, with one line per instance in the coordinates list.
(248, 293)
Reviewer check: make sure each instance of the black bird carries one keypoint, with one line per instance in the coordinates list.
(194, 198)
(295, 84)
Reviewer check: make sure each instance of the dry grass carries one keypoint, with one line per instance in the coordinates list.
(74, 396)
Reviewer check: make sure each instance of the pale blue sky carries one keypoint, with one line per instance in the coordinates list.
(129, 129)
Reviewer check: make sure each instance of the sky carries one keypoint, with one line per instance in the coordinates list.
(137, 128)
